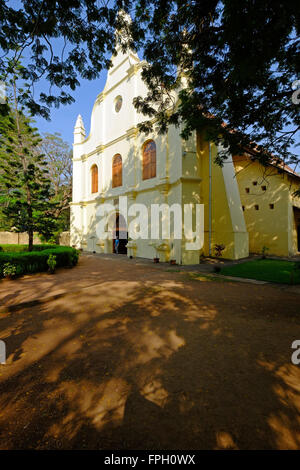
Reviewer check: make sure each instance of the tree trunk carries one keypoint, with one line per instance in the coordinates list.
(30, 240)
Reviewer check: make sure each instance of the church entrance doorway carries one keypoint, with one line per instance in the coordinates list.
(297, 226)
(120, 232)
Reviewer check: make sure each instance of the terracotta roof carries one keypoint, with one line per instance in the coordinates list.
(278, 163)
(284, 167)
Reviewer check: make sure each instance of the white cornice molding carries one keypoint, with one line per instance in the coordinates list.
(163, 185)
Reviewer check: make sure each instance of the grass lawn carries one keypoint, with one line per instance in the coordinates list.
(266, 270)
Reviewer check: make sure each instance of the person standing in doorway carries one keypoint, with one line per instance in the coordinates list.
(117, 242)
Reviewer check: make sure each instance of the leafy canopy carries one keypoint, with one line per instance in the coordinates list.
(235, 60)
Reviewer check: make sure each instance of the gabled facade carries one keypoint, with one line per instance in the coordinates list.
(117, 160)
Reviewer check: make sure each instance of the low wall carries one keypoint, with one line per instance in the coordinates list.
(64, 239)
(12, 238)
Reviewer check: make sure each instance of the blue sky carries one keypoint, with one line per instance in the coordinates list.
(63, 119)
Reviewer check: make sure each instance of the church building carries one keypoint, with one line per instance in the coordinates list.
(246, 206)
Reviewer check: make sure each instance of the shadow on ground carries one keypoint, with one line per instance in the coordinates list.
(152, 361)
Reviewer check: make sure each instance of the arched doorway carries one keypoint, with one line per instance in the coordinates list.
(120, 231)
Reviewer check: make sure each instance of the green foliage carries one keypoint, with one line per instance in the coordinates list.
(51, 261)
(87, 32)
(284, 272)
(9, 270)
(25, 190)
(264, 251)
(237, 61)
(36, 261)
(58, 159)
(21, 248)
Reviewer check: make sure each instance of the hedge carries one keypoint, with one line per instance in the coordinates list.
(36, 261)
(22, 248)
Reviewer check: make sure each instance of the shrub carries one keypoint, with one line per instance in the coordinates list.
(51, 261)
(36, 261)
(23, 248)
(9, 270)
(264, 252)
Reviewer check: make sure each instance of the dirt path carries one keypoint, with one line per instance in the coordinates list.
(134, 357)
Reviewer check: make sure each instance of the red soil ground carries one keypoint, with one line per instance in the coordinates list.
(135, 357)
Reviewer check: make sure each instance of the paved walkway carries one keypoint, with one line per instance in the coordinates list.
(131, 355)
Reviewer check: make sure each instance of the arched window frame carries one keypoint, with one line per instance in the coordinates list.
(117, 170)
(94, 178)
(149, 160)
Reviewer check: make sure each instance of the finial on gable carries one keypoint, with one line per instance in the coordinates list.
(123, 36)
(79, 122)
(79, 130)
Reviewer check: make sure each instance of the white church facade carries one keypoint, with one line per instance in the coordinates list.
(117, 160)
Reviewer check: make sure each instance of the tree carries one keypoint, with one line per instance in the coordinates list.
(58, 158)
(25, 188)
(63, 41)
(5, 224)
(236, 62)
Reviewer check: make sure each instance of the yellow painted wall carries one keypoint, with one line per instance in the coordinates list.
(228, 225)
(190, 188)
(296, 224)
(273, 228)
(294, 213)
(190, 194)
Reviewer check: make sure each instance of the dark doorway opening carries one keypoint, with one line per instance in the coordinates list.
(121, 233)
(297, 226)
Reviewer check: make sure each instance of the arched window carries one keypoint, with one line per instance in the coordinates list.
(149, 160)
(117, 171)
(94, 178)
